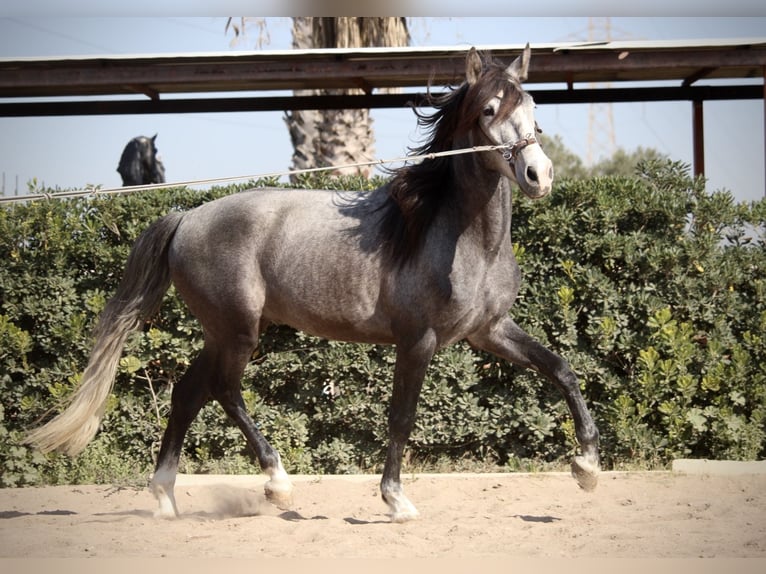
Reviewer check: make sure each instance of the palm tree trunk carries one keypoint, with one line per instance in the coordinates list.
(302, 124)
(323, 138)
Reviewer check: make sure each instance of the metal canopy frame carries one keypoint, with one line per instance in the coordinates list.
(364, 77)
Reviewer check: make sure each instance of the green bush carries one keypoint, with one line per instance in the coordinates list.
(650, 286)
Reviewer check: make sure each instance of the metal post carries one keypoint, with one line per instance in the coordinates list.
(698, 134)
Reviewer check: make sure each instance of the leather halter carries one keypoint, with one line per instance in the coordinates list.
(513, 150)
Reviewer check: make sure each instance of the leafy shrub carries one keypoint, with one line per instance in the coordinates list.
(650, 286)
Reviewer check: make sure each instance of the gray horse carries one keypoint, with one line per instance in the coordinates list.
(422, 262)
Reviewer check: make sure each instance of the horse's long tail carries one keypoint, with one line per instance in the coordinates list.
(144, 283)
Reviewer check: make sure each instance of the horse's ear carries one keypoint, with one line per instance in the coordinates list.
(520, 65)
(154, 137)
(472, 66)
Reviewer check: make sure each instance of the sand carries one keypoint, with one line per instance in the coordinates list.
(630, 515)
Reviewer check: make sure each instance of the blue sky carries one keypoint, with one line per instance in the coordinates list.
(71, 152)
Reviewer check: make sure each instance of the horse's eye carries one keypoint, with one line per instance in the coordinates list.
(538, 129)
(489, 112)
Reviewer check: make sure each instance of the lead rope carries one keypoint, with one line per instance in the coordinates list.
(512, 149)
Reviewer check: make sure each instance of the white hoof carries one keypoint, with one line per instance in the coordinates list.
(165, 514)
(585, 472)
(405, 515)
(279, 495)
(166, 500)
(402, 510)
(279, 489)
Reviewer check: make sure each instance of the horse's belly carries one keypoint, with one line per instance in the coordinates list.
(339, 300)
(350, 322)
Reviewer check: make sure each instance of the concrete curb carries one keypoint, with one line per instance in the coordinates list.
(679, 466)
(719, 467)
(255, 480)
(260, 479)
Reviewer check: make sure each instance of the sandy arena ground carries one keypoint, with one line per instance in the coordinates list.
(631, 515)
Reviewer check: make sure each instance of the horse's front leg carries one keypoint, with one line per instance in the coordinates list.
(409, 372)
(507, 340)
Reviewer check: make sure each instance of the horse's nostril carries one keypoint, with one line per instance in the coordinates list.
(531, 173)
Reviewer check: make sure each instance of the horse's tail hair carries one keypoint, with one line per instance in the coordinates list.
(139, 294)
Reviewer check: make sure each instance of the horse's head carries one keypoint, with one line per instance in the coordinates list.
(507, 117)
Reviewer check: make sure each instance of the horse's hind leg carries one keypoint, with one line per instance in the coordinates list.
(189, 396)
(279, 488)
(227, 391)
(507, 340)
(214, 374)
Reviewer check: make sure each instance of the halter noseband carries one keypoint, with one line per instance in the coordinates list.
(513, 149)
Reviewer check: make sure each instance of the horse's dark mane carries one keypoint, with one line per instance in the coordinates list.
(417, 192)
(129, 167)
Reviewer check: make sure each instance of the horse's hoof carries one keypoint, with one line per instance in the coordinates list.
(402, 510)
(165, 514)
(167, 501)
(281, 498)
(404, 516)
(585, 473)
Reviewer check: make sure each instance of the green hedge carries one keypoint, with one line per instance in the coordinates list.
(650, 286)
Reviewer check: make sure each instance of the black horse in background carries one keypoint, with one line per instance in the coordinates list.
(139, 164)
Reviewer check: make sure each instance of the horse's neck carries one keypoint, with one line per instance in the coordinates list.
(485, 207)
